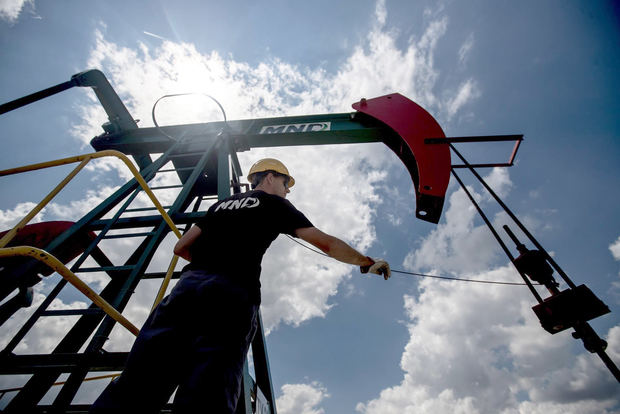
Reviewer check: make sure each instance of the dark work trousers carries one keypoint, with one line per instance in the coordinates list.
(196, 339)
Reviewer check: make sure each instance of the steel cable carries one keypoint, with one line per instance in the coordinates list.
(159, 128)
(427, 275)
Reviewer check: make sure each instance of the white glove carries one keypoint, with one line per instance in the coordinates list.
(379, 267)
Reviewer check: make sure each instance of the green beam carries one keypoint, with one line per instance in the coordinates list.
(346, 128)
(223, 173)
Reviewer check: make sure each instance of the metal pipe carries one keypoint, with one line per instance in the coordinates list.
(47, 164)
(477, 138)
(514, 152)
(33, 97)
(112, 104)
(499, 240)
(166, 281)
(516, 220)
(13, 232)
(511, 235)
(611, 366)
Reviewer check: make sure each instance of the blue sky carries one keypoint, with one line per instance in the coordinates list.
(340, 342)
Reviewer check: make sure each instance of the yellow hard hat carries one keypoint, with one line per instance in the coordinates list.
(270, 164)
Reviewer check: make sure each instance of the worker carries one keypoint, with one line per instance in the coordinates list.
(198, 337)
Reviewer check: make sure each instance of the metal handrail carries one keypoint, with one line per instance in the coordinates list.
(52, 261)
(164, 284)
(83, 160)
(69, 276)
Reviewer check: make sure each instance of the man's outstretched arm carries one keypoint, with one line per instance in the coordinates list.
(341, 251)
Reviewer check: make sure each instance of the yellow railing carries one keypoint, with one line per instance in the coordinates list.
(52, 261)
(83, 160)
(166, 281)
(69, 276)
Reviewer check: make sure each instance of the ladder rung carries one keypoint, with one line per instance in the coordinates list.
(64, 362)
(160, 275)
(70, 312)
(131, 210)
(176, 169)
(163, 187)
(122, 236)
(186, 154)
(106, 268)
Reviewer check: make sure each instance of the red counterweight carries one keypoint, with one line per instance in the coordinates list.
(429, 165)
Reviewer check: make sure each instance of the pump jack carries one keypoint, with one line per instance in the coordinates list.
(204, 159)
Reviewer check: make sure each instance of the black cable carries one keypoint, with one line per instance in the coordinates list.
(307, 247)
(462, 280)
(425, 275)
(182, 94)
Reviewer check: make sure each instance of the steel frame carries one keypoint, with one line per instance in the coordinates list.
(582, 329)
(205, 160)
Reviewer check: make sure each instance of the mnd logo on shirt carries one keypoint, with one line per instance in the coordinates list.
(248, 202)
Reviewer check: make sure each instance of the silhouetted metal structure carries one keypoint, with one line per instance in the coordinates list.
(203, 158)
(571, 308)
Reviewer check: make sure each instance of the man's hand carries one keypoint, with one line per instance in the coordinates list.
(341, 251)
(379, 267)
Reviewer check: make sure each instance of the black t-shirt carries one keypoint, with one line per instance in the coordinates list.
(237, 231)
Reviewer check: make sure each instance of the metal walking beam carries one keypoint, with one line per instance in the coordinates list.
(393, 119)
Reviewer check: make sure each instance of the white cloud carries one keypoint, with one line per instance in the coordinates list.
(297, 284)
(10, 9)
(395, 221)
(499, 180)
(274, 87)
(381, 12)
(458, 245)
(477, 348)
(9, 218)
(480, 349)
(581, 407)
(472, 348)
(417, 400)
(466, 48)
(44, 337)
(467, 92)
(301, 399)
(455, 245)
(615, 249)
(73, 210)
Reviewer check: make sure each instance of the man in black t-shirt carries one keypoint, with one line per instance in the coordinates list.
(237, 231)
(198, 336)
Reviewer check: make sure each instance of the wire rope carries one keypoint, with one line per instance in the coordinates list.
(493, 282)
(160, 129)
